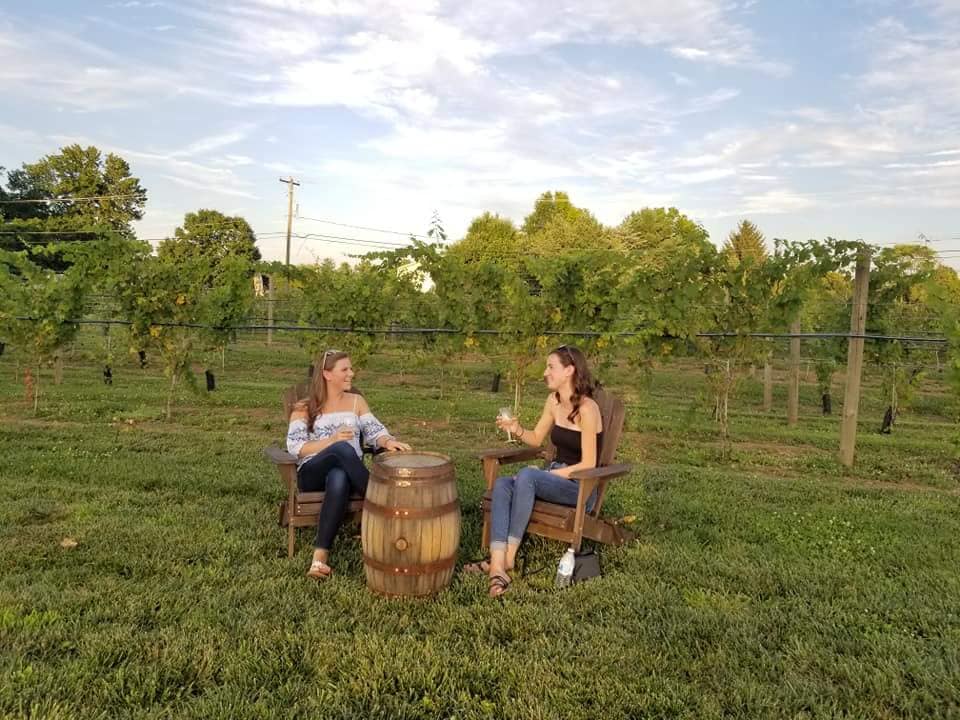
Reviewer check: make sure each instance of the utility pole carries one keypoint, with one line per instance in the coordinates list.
(290, 183)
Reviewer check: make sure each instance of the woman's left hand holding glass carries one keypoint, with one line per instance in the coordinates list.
(511, 425)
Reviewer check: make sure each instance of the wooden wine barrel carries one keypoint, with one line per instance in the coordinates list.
(410, 529)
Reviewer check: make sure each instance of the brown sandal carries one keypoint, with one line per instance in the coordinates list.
(499, 584)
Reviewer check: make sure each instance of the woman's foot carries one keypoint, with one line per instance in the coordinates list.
(481, 567)
(499, 584)
(319, 570)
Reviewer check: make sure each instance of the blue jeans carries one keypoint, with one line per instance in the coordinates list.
(513, 498)
(338, 473)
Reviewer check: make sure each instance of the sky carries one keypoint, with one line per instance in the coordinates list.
(809, 118)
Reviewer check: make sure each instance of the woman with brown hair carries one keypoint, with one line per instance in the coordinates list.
(572, 420)
(325, 433)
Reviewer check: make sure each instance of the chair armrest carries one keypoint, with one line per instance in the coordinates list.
(607, 472)
(279, 456)
(505, 456)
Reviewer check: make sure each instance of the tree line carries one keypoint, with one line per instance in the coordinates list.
(647, 288)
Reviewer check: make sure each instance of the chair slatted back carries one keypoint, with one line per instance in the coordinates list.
(291, 395)
(612, 414)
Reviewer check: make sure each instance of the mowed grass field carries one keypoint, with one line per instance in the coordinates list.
(764, 583)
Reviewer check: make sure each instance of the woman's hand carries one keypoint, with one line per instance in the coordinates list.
(394, 445)
(511, 425)
(343, 434)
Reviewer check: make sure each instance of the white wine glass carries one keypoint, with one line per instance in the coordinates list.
(507, 414)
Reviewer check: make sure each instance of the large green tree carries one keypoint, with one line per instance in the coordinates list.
(561, 234)
(76, 172)
(211, 236)
(557, 226)
(662, 231)
(547, 207)
(86, 195)
(746, 242)
(489, 237)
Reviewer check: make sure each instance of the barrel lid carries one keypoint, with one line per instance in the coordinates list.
(413, 460)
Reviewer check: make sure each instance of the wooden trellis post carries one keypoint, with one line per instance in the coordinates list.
(793, 384)
(858, 323)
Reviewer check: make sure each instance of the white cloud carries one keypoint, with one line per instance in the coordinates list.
(282, 168)
(774, 202)
(218, 178)
(476, 106)
(924, 166)
(200, 185)
(72, 72)
(234, 160)
(213, 142)
(688, 53)
(700, 176)
(919, 66)
(708, 102)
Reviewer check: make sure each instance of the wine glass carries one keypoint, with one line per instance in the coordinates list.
(507, 414)
(345, 428)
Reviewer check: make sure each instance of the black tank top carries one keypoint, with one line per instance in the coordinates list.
(567, 443)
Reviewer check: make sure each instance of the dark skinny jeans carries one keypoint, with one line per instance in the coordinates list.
(338, 473)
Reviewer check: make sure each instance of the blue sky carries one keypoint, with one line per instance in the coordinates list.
(809, 118)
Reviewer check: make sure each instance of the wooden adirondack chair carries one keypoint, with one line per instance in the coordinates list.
(562, 522)
(300, 509)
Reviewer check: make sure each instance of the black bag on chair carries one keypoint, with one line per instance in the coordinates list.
(586, 565)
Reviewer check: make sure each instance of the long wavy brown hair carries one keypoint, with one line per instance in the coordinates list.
(582, 380)
(318, 386)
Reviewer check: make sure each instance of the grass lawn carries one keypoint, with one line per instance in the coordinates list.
(768, 583)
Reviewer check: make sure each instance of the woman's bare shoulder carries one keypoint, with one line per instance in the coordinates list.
(590, 405)
(361, 403)
(589, 408)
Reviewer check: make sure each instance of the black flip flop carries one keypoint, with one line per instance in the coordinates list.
(500, 582)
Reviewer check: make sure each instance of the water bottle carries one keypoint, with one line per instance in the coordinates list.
(565, 569)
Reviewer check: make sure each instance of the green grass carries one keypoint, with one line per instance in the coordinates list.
(769, 583)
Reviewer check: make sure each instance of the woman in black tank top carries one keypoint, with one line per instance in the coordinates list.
(571, 419)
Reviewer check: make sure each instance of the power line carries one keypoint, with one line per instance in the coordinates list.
(50, 232)
(362, 227)
(314, 237)
(346, 240)
(454, 331)
(92, 198)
